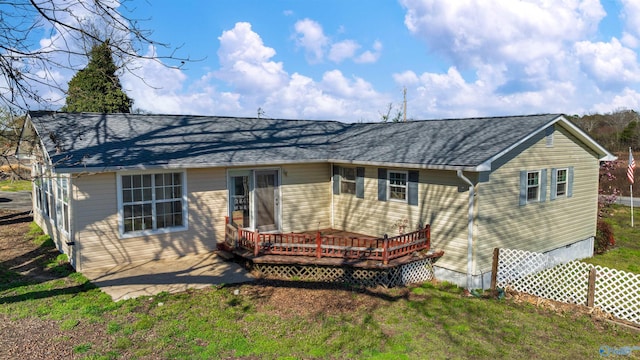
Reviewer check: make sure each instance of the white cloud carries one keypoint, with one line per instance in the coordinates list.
(406, 78)
(370, 56)
(310, 36)
(160, 89)
(343, 50)
(335, 97)
(434, 95)
(245, 61)
(246, 64)
(629, 40)
(626, 100)
(521, 57)
(609, 64)
(516, 31)
(631, 14)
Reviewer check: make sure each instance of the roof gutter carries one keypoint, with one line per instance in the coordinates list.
(470, 228)
(98, 169)
(471, 168)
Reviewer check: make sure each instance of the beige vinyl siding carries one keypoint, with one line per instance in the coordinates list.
(440, 204)
(544, 226)
(49, 226)
(96, 221)
(306, 197)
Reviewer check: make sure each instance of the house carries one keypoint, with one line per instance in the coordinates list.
(123, 188)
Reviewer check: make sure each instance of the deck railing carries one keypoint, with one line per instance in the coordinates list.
(318, 245)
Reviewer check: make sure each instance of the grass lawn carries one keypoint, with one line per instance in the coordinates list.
(15, 185)
(289, 320)
(626, 253)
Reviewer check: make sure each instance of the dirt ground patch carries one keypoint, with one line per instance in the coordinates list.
(33, 338)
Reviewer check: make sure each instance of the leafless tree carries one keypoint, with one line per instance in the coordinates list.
(27, 63)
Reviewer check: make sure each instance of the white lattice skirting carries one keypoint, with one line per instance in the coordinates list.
(616, 292)
(415, 272)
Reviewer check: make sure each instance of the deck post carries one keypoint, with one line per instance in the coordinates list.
(236, 240)
(385, 250)
(318, 245)
(256, 242)
(494, 268)
(428, 234)
(591, 288)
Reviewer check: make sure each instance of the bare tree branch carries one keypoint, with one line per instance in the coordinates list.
(39, 38)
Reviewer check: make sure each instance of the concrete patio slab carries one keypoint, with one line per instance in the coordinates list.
(172, 275)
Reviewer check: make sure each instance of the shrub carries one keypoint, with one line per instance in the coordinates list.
(604, 237)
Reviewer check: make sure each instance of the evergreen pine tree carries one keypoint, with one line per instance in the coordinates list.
(96, 88)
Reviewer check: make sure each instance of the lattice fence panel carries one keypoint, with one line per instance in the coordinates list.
(566, 283)
(516, 264)
(618, 293)
(417, 272)
(398, 276)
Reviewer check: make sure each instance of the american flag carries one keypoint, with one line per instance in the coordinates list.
(631, 168)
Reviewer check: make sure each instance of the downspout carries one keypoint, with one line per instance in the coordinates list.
(470, 228)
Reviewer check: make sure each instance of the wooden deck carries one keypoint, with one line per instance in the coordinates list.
(330, 247)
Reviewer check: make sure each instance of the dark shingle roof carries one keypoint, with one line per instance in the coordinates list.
(112, 141)
(451, 142)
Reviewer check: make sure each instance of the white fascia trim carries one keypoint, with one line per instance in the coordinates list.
(184, 166)
(405, 165)
(78, 170)
(45, 153)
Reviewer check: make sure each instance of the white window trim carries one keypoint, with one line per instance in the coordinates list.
(251, 172)
(62, 222)
(49, 197)
(537, 199)
(406, 186)
(139, 233)
(566, 183)
(37, 187)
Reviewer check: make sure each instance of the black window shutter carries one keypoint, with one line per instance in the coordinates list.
(554, 184)
(336, 179)
(382, 184)
(360, 182)
(570, 182)
(523, 187)
(412, 188)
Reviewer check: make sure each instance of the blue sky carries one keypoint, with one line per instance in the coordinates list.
(347, 60)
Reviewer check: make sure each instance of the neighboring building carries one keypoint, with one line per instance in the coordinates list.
(123, 188)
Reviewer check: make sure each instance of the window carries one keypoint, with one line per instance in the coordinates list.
(240, 200)
(561, 182)
(38, 186)
(152, 202)
(62, 202)
(48, 196)
(397, 185)
(533, 186)
(347, 180)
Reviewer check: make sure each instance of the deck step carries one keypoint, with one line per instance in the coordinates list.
(225, 254)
